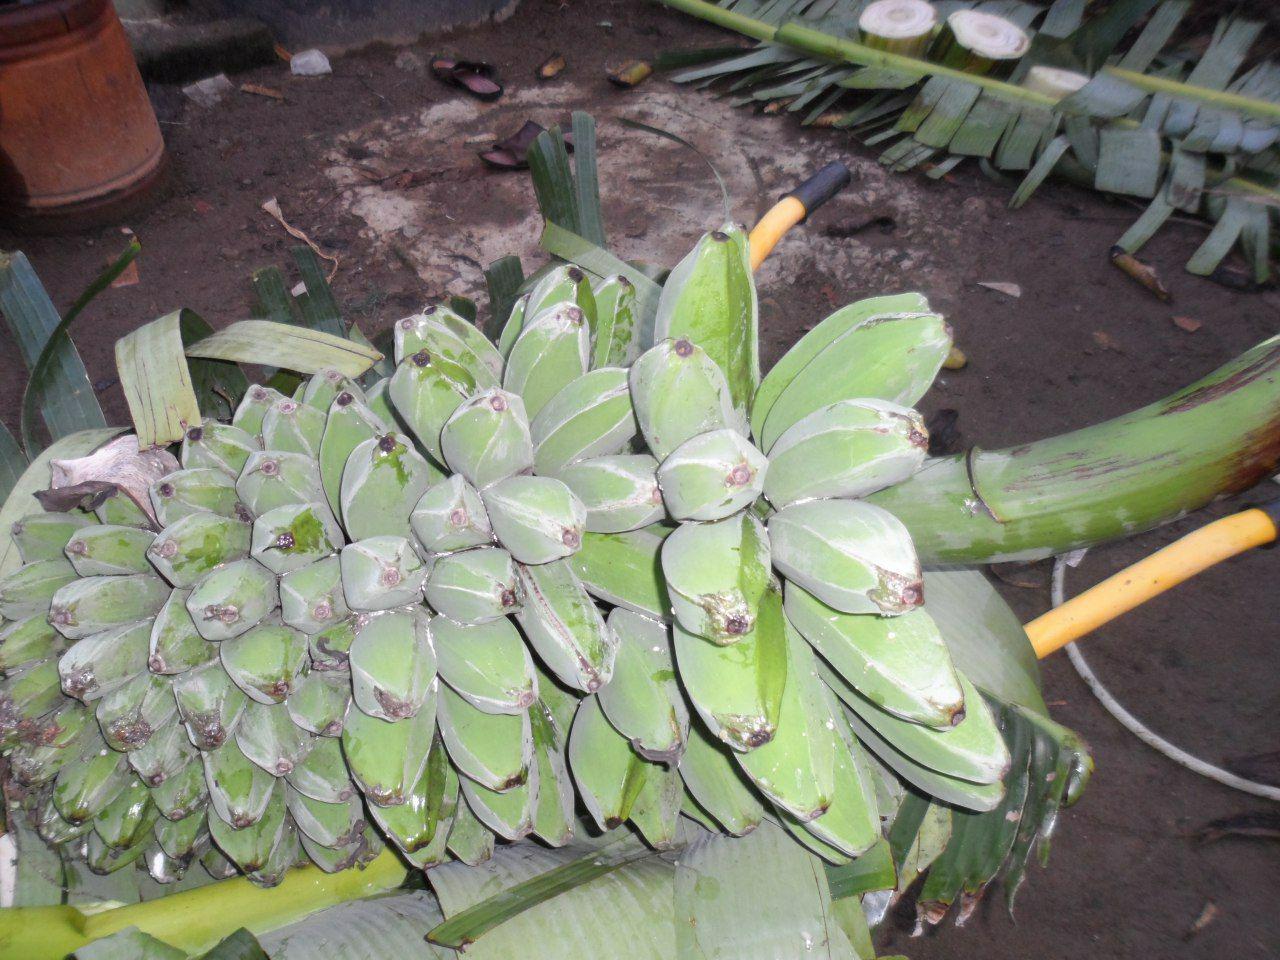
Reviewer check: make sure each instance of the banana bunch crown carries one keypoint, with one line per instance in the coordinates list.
(503, 584)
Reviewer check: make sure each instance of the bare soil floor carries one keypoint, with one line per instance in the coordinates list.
(1083, 343)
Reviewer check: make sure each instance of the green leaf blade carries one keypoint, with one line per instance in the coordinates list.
(68, 402)
(156, 382)
(282, 345)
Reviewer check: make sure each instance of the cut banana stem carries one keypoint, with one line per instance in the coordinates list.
(1054, 82)
(980, 42)
(898, 26)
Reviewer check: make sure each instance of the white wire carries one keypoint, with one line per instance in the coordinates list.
(1136, 726)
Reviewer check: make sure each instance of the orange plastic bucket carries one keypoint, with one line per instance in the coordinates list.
(79, 142)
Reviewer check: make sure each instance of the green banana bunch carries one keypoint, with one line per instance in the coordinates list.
(442, 607)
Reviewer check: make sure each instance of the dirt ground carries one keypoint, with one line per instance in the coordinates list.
(1082, 343)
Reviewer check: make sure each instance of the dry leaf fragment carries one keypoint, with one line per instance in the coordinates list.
(1105, 340)
(829, 120)
(119, 464)
(128, 276)
(1144, 273)
(259, 90)
(551, 67)
(272, 207)
(1207, 916)
(1189, 324)
(999, 286)
(630, 74)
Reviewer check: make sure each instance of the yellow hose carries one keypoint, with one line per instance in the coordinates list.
(782, 216)
(1150, 577)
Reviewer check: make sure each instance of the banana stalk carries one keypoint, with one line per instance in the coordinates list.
(1214, 438)
(196, 919)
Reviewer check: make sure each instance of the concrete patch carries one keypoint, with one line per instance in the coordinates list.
(646, 181)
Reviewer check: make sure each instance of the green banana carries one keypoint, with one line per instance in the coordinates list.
(196, 544)
(487, 438)
(350, 423)
(209, 703)
(239, 789)
(656, 810)
(231, 599)
(268, 736)
(537, 519)
(738, 688)
(129, 715)
(265, 661)
(105, 550)
(393, 666)
(323, 774)
(96, 665)
(710, 299)
(92, 604)
(972, 750)
(643, 700)
(712, 476)
(493, 749)
(385, 759)
(617, 322)
(624, 569)
(220, 446)
(945, 789)
(607, 771)
(474, 586)
(589, 417)
(889, 357)
(564, 627)
(849, 554)
(795, 768)
(679, 392)
(847, 449)
(191, 491)
(318, 703)
(44, 536)
(381, 572)
(293, 427)
(450, 516)
(272, 479)
(817, 340)
(717, 574)
(553, 821)
(901, 664)
(486, 664)
(258, 399)
(311, 598)
(382, 481)
(553, 349)
(717, 785)
(620, 493)
(426, 390)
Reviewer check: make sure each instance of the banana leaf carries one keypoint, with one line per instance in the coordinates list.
(1142, 101)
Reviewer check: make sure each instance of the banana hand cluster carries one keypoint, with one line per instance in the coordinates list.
(446, 606)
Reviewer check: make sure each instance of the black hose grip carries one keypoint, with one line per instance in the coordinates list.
(822, 186)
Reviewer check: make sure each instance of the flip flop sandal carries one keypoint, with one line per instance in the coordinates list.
(512, 153)
(475, 77)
